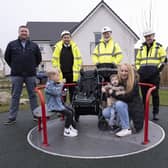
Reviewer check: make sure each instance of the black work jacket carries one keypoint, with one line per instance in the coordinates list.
(23, 61)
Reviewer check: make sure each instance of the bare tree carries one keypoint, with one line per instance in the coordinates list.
(148, 16)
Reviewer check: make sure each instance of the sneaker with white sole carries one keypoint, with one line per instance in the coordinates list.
(73, 129)
(69, 133)
(124, 132)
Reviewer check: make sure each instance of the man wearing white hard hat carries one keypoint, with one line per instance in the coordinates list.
(150, 60)
(67, 58)
(107, 51)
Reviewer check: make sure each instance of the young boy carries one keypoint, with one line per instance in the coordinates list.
(112, 88)
(54, 102)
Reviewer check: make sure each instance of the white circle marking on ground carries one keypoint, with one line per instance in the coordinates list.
(97, 157)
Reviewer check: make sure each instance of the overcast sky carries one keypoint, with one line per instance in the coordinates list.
(18, 12)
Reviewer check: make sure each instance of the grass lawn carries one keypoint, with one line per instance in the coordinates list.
(5, 108)
(164, 97)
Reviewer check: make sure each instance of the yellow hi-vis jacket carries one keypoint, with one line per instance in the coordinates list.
(109, 52)
(77, 63)
(156, 56)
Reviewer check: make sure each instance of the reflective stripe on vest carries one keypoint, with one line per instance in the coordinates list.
(107, 54)
(149, 60)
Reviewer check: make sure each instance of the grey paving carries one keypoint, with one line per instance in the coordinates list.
(15, 152)
(91, 142)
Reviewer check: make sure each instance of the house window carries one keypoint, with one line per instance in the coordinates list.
(97, 37)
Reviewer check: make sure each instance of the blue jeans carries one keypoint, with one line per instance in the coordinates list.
(109, 113)
(121, 109)
(17, 86)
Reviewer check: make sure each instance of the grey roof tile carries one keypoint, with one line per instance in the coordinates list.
(49, 31)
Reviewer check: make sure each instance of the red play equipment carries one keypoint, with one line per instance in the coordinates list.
(43, 120)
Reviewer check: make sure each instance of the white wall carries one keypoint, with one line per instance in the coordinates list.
(103, 17)
(46, 52)
(46, 49)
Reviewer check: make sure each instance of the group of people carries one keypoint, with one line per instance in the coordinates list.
(23, 57)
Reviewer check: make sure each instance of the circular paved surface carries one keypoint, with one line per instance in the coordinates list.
(92, 143)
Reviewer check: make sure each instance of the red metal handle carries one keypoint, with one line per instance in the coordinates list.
(70, 84)
(43, 109)
(42, 103)
(146, 124)
(44, 122)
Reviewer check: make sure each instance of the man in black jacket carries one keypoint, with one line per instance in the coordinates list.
(22, 56)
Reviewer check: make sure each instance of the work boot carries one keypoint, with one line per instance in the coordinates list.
(10, 122)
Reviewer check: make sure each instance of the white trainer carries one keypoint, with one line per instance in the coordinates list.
(73, 129)
(69, 133)
(124, 132)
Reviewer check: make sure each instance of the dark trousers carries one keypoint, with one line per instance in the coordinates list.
(69, 79)
(155, 94)
(17, 86)
(68, 113)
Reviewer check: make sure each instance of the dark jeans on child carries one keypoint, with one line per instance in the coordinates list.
(69, 79)
(68, 113)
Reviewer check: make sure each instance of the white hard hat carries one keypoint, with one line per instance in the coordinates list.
(106, 29)
(65, 32)
(148, 32)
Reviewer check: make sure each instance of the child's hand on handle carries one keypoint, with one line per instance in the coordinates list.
(103, 89)
(110, 91)
(63, 80)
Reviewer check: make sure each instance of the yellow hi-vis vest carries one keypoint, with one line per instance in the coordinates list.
(109, 52)
(156, 56)
(77, 63)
